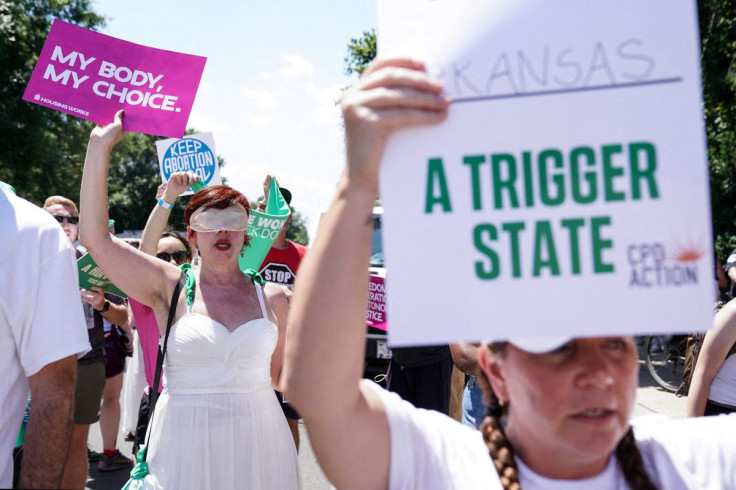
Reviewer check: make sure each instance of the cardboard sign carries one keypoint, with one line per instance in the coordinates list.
(263, 228)
(567, 192)
(91, 275)
(195, 153)
(92, 76)
(376, 314)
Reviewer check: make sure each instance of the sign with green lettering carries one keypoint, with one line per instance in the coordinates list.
(90, 275)
(567, 192)
(263, 228)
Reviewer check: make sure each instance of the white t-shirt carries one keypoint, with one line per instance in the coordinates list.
(723, 386)
(40, 318)
(430, 451)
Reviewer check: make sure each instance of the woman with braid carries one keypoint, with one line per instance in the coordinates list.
(559, 408)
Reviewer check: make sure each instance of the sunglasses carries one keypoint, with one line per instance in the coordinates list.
(72, 220)
(180, 256)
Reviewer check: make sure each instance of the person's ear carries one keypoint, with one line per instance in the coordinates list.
(192, 237)
(492, 365)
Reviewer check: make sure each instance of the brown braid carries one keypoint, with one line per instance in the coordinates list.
(632, 465)
(502, 452)
(499, 447)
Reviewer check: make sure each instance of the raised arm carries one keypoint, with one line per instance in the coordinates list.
(715, 347)
(145, 278)
(178, 183)
(324, 356)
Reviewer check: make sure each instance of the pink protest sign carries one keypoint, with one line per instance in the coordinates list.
(376, 314)
(92, 76)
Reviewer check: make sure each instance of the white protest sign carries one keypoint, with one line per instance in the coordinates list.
(567, 193)
(194, 152)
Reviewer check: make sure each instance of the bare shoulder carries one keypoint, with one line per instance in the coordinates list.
(725, 320)
(277, 298)
(275, 292)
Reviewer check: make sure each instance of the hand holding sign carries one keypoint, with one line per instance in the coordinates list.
(194, 153)
(177, 185)
(391, 94)
(94, 296)
(110, 135)
(266, 190)
(264, 226)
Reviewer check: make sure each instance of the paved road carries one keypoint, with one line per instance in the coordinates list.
(650, 399)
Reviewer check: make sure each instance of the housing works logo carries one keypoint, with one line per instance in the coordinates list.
(64, 107)
(652, 265)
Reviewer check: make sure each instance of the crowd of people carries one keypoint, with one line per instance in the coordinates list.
(537, 412)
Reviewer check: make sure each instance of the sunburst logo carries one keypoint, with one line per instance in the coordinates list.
(691, 252)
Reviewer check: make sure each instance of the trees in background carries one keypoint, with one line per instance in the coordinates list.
(718, 47)
(41, 150)
(297, 232)
(361, 50)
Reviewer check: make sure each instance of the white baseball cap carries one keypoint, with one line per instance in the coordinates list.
(539, 344)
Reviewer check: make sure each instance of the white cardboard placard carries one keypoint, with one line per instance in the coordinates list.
(567, 193)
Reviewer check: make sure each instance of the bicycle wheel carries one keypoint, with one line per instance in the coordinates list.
(665, 358)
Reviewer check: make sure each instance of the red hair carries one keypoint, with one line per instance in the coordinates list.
(216, 197)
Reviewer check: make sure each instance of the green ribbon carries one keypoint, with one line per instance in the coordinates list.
(139, 471)
(255, 276)
(187, 268)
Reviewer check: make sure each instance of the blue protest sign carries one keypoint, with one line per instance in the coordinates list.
(195, 153)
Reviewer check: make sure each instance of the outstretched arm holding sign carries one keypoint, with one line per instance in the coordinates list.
(141, 276)
(178, 183)
(322, 380)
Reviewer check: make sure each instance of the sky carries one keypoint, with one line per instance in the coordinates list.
(274, 72)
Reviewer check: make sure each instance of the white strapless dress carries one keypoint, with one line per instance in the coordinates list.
(218, 424)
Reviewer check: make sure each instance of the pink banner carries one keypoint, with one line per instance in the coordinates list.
(376, 314)
(92, 76)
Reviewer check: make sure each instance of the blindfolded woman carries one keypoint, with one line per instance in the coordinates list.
(217, 423)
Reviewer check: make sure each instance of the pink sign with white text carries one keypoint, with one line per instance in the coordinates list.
(376, 314)
(92, 76)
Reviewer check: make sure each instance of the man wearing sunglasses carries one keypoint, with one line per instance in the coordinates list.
(90, 367)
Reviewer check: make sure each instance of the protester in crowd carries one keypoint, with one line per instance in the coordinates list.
(118, 345)
(90, 382)
(42, 331)
(730, 269)
(422, 376)
(134, 381)
(280, 267)
(561, 407)
(713, 384)
(171, 247)
(722, 283)
(217, 424)
(465, 357)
